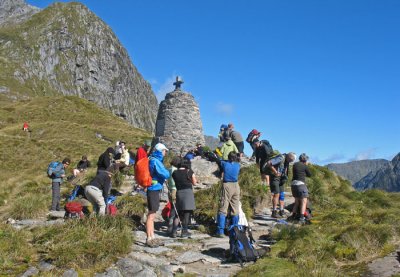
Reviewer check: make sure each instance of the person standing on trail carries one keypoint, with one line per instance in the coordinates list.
(159, 174)
(25, 127)
(184, 180)
(299, 187)
(176, 161)
(236, 138)
(278, 170)
(230, 193)
(99, 189)
(263, 151)
(57, 176)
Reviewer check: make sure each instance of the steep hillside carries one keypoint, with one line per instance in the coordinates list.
(67, 49)
(386, 178)
(60, 126)
(356, 170)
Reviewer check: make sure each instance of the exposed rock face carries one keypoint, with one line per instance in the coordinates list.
(386, 178)
(15, 11)
(212, 142)
(356, 170)
(179, 124)
(66, 48)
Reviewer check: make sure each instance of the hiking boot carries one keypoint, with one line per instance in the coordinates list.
(275, 214)
(159, 242)
(186, 234)
(173, 234)
(302, 220)
(151, 243)
(282, 213)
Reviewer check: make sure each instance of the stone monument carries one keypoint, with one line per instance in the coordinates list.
(178, 123)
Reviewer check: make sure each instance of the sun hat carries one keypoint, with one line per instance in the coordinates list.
(160, 147)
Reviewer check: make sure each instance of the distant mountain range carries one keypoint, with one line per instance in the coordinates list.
(371, 174)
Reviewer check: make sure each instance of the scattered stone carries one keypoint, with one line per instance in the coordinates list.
(32, 271)
(56, 214)
(111, 272)
(147, 259)
(70, 273)
(129, 267)
(45, 266)
(191, 257)
(147, 272)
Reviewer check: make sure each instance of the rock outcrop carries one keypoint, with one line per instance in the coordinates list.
(67, 49)
(386, 178)
(178, 124)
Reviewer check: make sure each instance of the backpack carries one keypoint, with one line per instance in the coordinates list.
(73, 210)
(250, 137)
(142, 172)
(52, 171)
(166, 211)
(112, 210)
(268, 149)
(241, 244)
(77, 191)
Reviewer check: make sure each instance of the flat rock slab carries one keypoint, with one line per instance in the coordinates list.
(70, 273)
(154, 251)
(147, 259)
(384, 267)
(111, 272)
(32, 271)
(199, 236)
(222, 243)
(191, 257)
(45, 266)
(56, 214)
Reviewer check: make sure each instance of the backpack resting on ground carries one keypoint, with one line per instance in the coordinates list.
(241, 244)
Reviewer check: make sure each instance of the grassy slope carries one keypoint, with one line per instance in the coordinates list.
(350, 228)
(61, 126)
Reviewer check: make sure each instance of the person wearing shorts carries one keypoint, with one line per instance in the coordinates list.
(159, 174)
(299, 187)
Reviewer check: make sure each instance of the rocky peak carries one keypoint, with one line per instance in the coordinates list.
(15, 11)
(396, 159)
(67, 49)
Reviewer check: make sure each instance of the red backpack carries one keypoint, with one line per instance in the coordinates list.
(73, 210)
(166, 212)
(142, 173)
(112, 210)
(251, 135)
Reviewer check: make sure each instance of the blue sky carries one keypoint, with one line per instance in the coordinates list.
(321, 77)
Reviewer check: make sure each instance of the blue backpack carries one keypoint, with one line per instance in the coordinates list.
(76, 192)
(53, 171)
(241, 244)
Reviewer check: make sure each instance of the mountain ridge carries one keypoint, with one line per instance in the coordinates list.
(65, 48)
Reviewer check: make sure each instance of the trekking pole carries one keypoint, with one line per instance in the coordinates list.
(177, 215)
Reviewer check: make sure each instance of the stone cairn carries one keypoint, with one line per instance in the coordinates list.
(178, 123)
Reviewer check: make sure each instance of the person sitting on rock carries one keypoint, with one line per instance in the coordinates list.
(184, 179)
(159, 174)
(199, 150)
(230, 193)
(123, 161)
(299, 187)
(99, 189)
(189, 155)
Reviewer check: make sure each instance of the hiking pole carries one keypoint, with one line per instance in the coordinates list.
(177, 215)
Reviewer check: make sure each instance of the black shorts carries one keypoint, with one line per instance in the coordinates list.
(240, 146)
(275, 184)
(153, 200)
(300, 191)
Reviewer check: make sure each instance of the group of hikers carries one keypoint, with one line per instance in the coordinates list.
(180, 180)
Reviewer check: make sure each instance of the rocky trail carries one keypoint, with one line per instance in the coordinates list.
(200, 255)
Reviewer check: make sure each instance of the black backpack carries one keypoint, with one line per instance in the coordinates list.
(268, 148)
(241, 244)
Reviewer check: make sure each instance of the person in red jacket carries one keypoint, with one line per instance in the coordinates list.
(25, 127)
(143, 150)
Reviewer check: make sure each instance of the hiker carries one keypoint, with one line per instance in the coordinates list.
(176, 161)
(263, 152)
(230, 193)
(118, 150)
(123, 160)
(199, 150)
(278, 170)
(143, 150)
(159, 174)
(105, 160)
(83, 164)
(252, 137)
(299, 187)
(227, 148)
(223, 133)
(25, 127)
(98, 190)
(184, 180)
(189, 155)
(57, 174)
(236, 138)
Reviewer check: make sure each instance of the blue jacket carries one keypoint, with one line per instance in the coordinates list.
(58, 171)
(157, 170)
(231, 171)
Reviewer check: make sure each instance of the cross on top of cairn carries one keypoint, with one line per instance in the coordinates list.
(178, 83)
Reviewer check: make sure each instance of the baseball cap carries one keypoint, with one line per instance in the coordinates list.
(160, 147)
